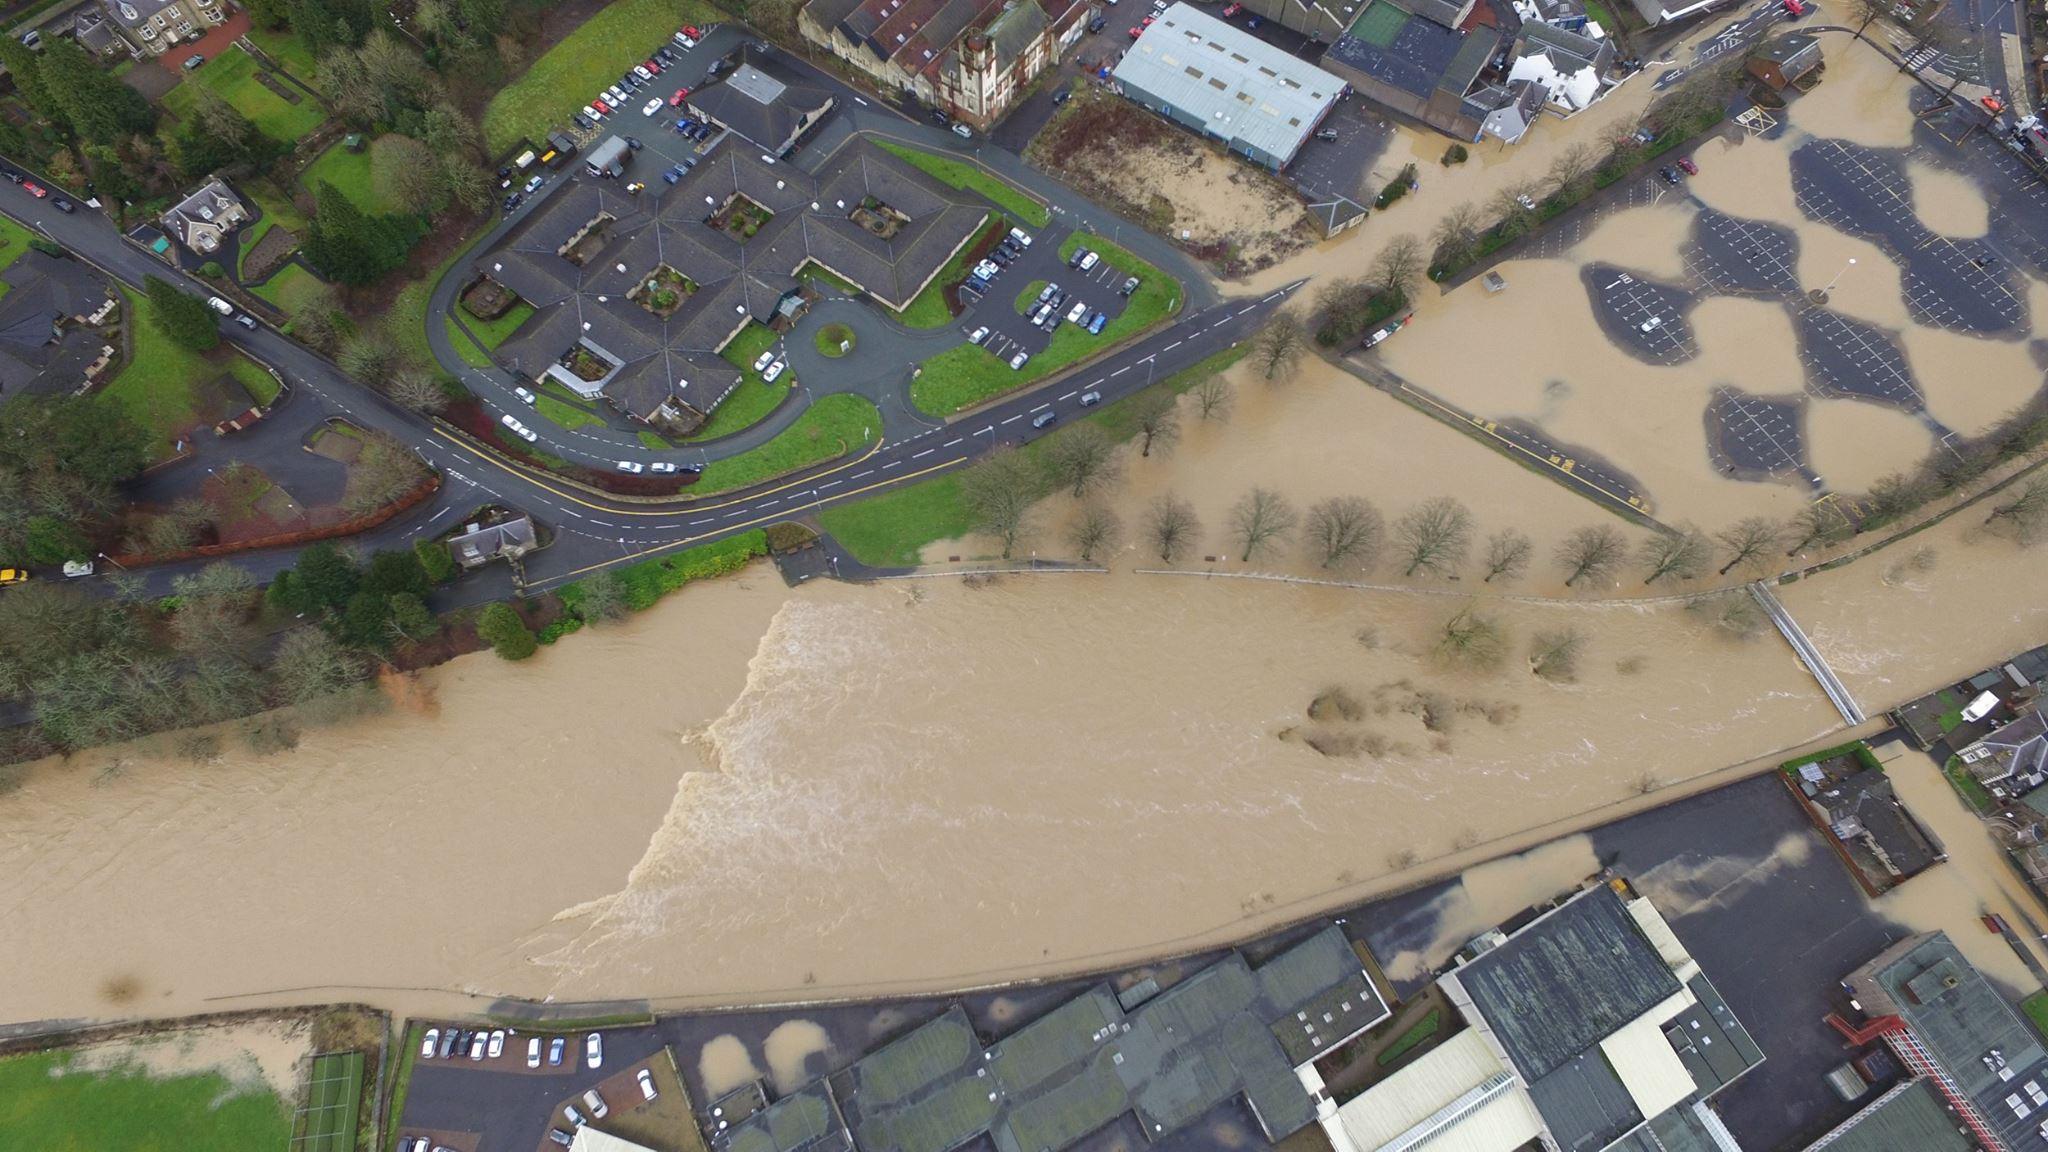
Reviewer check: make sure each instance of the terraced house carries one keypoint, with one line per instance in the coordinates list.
(153, 27)
(636, 295)
(969, 58)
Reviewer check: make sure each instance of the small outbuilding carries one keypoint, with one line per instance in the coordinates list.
(1788, 61)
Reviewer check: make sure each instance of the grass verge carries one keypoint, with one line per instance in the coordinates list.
(642, 586)
(1967, 786)
(833, 426)
(619, 36)
(401, 1083)
(973, 177)
(754, 398)
(48, 1103)
(353, 173)
(13, 242)
(928, 308)
(563, 414)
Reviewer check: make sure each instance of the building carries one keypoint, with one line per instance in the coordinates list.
(153, 27)
(1571, 67)
(501, 537)
(967, 58)
(588, 1139)
(1947, 1023)
(1655, 12)
(635, 295)
(2012, 759)
(1230, 1032)
(96, 34)
(46, 316)
(1911, 1116)
(1785, 61)
(1861, 813)
(769, 108)
(1225, 83)
(1430, 59)
(1588, 1028)
(206, 217)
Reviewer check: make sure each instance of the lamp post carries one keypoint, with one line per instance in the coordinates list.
(1839, 275)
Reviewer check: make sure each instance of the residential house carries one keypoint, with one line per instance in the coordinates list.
(153, 27)
(506, 536)
(96, 33)
(968, 58)
(46, 318)
(1786, 61)
(2013, 759)
(1430, 60)
(206, 217)
(764, 104)
(1571, 67)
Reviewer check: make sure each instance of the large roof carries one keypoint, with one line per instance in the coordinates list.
(1240, 87)
(1993, 1056)
(1219, 1034)
(1458, 1092)
(762, 104)
(1910, 1116)
(1397, 45)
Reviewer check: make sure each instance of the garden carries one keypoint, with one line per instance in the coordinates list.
(233, 76)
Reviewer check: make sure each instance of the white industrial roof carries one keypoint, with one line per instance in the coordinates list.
(1457, 1097)
(1648, 1066)
(1663, 939)
(1240, 86)
(591, 1140)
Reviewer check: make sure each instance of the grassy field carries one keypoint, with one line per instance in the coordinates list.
(491, 332)
(833, 426)
(157, 386)
(48, 1106)
(567, 415)
(974, 178)
(291, 288)
(233, 76)
(351, 172)
(892, 529)
(289, 51)
(755, 398)
(619, 36)
(13, 242)
(928, 309)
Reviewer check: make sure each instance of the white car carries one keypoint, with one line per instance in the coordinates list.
(497, 1046)
(574, 1117)
(533, 1052)
(633, 467)
(963, 132)
(219, 305)
(988, 269)
(595, 1103)
(591, 113)
(431, 1042)
(661, 466)
(476, 1046)
(646, 1079)
(651, 107)
(764, 360)
(773, 371)
(1077, 313)
(593, 1050)
(1022, 237)
(523, 394)
(1090, 260)
(519, 430)
(978, 335)
(1017, 361)
(641, 71)
(419, 1144)
(1652, 324)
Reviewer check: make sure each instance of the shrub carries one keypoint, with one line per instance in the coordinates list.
(435, 560)
(788, 536)
(1392, 192)
(1456, 154)
(53, 541)
(212, 270)
(506, 633)
(46, 247)
(648, 582)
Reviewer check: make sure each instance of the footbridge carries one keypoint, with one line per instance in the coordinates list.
(1837, 692)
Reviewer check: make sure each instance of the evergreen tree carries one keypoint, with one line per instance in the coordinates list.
(502, 628)
(350, 245)
(323, 577)
(25, 67)
(95, 104)
(178, 314)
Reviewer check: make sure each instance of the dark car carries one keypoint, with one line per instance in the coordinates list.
(1326, 134)
(63, 205)
(1062, 96)
(633, 142)
(12, 175)
(1098, 24)
(513, 201)
(1669, 174)
(582, 121)
(447, 1043)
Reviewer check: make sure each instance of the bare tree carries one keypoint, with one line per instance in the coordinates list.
(417, 389)
(1507, 556)
(1344, 530)
(1213, 397)
(1554, 654)
(1083, 459)
(1158, 420)
(1747, 540)
(1397, 265)
(1456, 236)
(1171, 526)
(1895, 495)
(1515, 205)
(214, 605)
(311, 664)
(1734, 613)
(369, 357)
(382, 472)
(1471, 640)
(1867, 12)
(1279, 344)
(1572, 171)
(1096, 530)
(1434, 537)
(2025, 513)
(1820, 523)
(1259, 518)
(1679, 554)
(1590, 553)
(999, 492)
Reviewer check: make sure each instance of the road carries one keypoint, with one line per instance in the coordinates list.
(597, 531)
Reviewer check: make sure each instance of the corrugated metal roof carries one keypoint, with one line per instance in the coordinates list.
(1455, 1087)
(1909, 1118)
(1238, 86)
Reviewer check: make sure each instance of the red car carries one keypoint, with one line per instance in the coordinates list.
(652, 65)
(1230, 10)
(690, 30)
(676, 101)
(601, 106)
(34, 189)
(1691, 169)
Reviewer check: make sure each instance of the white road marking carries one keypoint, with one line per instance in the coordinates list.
(1014, 419)
(953, 441)
(1041, 407)
(923, 454)
(869, 472)
(1068, 396)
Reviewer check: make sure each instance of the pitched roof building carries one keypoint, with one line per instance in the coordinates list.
(1428, 59)
(1221, 81)
(153, 27)
(636, 295)
(44, 342)
(969, 58)
(205, 217)
(769, 107)
(2012, 759)
(1783, 61)
(1571, 67)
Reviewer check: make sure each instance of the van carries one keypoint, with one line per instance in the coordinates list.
(1044, 418)
(1980, 707)
(524, 160)
(219, 305)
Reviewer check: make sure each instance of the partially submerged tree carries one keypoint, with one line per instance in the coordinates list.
(1094, 532)
(999, 493)
(1397, 266)
(1748, 541)
(1158, 420)
(1679, 554)
(1259, 519)
(1213, 398)
(1279, 343)
(1171, 526)
(1507, 556)
(1344, 530)
(1470, 639)
(1591, 553)
(1456, 235)
(2024, 511)
(1554, 654)
(1434, 537)
(1819, 524)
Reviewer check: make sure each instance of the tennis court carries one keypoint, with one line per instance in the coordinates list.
(326, 1118)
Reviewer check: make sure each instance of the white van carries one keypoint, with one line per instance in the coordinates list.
(219, 305)
(1980, 707)
(524, 160)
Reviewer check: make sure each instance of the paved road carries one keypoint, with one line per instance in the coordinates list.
(598, 531)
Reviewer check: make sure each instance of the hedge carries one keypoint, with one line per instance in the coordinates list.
(644, 584)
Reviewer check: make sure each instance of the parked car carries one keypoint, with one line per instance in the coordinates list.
(1230, 10)
(561, 1137)
(555, 1047)
(585, 119)
(416, 1144)
(1044, 419)
(593, 1050)
(1252, 21)
(533, 1052)
(13, 576)
(646, 1079)
(1650, 325)
(477, 1044)
(963, 131)
(1078, 312)
(523, 394)
(73, 569)
(1017, 361)
(530, 436)
(676, 101)
(1045, 294)
(764, 360)
(34, 189)
(1089, 261)
(1096, 323)
(978, 335)
(219, 305)
(193, 61)
(1669, 174)
(772, 371)
(1074, 261)
(533, 184)
(631, 468)
(1686, 165)
(574, 1117)
(1095, 25)
(1065, 94)
(1329, 134)
(1090, 399)
(692, 32)
(1022, 237)
(513, 201)
(497, 1044)
(598, 108)
(633, 142)
(246, 320)
(652, 65)
(430, 1043)
(595, 1103)
(1129, 287)
(651, 107)
(661, 466)
(448, 1040)
(1138, 30)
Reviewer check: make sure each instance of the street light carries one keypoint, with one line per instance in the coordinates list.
(1839, 275)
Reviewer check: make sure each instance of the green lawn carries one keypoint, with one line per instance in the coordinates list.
(834, 340)
(233, 76)
(1028, 298)
(401, 1086)
(406, 320)
(653, 440)
(289, 51)
(464, 347)
(13, 242)
(619, 36)
(1421, 1030)
(491, 332)
(565, 415)
(974, 178)
(754, 398)
(812, 270)
(968, 375)
(2036, 1008)
(834, 426)
(351, 173)
(928, 309)
(893, 528)
(262, 386)
(1968, 786)
(291, 288)
(157, 385)
(47, 1105)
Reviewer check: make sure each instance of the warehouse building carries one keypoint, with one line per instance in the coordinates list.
(1219, 80)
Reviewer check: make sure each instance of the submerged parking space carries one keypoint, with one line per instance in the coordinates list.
(1644, 318)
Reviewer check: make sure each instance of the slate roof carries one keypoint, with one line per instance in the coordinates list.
(1865, 800)
(489, 541)
(763, 105)
(136, 13)
(1910, 1118)
(1568, 980)
(2018, 749)
(42, 291)
(627, 237)
(1994, 1057)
